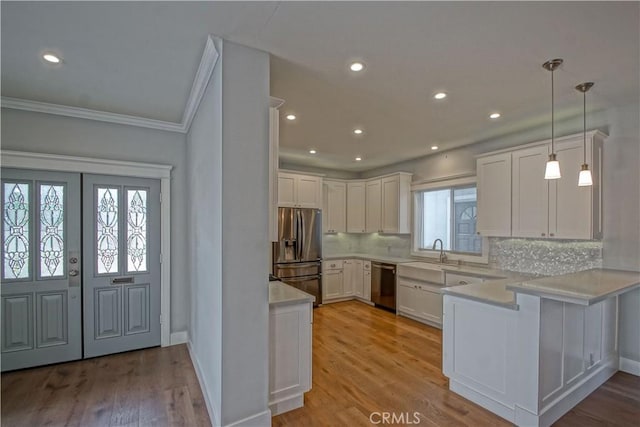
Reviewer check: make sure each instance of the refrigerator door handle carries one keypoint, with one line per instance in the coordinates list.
(303, 240)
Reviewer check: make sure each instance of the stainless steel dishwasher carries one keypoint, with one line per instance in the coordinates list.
(383, 285)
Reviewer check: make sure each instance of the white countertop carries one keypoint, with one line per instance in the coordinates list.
(283, 294)
(492, 292)
(380, 258)
(584, 287)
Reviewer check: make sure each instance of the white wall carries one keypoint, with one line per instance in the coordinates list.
(204, 160)
(228, 162)
(45, 133)
(621, 216)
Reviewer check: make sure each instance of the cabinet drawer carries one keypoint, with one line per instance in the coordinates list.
(452, 279)
(332, 265)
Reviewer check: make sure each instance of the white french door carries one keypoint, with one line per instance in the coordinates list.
(121, 247)
(80, 266)
(41, 287)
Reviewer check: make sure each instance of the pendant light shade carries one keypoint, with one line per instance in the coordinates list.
(552, 170)
(584, 178)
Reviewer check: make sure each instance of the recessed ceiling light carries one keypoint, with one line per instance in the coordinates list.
(440, 95)
(291, 117)
(357, 66)
(49, 57)
(358, 131)
(358, 159)
(494, 115)
(312, 151)
(434, 147)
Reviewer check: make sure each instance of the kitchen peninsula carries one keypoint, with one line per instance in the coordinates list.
(530, 350)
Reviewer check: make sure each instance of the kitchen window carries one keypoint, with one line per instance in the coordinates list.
(448, 213)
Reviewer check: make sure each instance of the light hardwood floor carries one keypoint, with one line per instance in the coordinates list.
(365, 360)
(152, 387)
(368, 360)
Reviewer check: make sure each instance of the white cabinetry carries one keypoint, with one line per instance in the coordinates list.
(334, 207)
(332, 280)
(515, 200)
(356, 278)
(420, 301)
(388, 204)
(494, 195)
(356, 207)
(289, 356)
(274, 137)
(366, 280)
(349, 276)
(299, 191)
(530, 192)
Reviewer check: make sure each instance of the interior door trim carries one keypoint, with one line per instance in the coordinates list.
(61, 163)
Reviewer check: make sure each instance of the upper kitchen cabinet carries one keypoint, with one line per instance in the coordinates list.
(356, 207)
(575, 212)
(388, 204)
(334, 218)
(299, 191)
(494, 195)
(530, 192)
(515, 200)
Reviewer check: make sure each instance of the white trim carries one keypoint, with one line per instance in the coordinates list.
(215, 420)
(630, 366)
(275, 102)
(55, 162)
(259, 419)
(85, 113)
(453, 181)
(200, 82)
(181, 337)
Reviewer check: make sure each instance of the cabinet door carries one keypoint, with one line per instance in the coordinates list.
(494, 195)
(570, 206)
(390, 204)
(530, 192)
(366, 284)
(334, 208)
(356, 207)
(332, 284)
(358, 289)
(349, 274)
(309, 191)
(429, 302)
(407, 298)
(373, 206)
(286, 190)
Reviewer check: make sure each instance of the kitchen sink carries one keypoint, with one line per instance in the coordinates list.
(423, 271)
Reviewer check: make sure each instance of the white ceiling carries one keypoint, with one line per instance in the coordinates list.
(140, 59)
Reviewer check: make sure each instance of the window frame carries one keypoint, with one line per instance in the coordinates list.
(416, 223)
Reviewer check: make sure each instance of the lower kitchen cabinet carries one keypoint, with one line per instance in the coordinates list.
(332, 285)
(290, 332)
(420, 301)
(366, 280)
(346, 279)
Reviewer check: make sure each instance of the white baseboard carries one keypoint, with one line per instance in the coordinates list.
(215, 420)
(287, 404)
(180, 337)
(630, 366)
(263, 419)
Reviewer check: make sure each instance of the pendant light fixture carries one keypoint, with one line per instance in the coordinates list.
(552, 170)
(584, 179)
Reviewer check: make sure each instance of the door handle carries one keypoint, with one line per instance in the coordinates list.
(73, 273)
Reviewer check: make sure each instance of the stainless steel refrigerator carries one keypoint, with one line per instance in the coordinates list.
(297, 255)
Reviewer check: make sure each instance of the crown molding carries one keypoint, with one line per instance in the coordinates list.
(275, 102)
(202, 77)
(200, 82)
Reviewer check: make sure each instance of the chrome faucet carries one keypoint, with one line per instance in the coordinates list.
(443, 256)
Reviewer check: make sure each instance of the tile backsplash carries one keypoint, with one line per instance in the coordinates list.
(544, 257)
(532, 256)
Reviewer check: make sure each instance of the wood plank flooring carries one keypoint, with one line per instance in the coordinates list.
(364, 360)
(367, 360)
(152, 387)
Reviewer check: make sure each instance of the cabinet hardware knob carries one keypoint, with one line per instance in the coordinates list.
(478, 233)
(462, 282)
(551, 234)
(542, 234)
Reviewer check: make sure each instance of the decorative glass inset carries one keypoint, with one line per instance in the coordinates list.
(136, 230)
(107, 230)
(16, 230)
(51, 230)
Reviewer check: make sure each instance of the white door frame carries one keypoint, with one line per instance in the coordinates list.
(56, 162)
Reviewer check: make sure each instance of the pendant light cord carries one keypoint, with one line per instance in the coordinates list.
(552, 114)
(584, 134)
